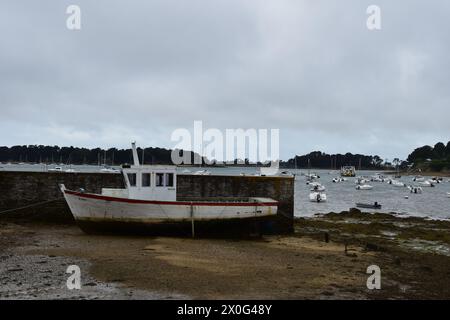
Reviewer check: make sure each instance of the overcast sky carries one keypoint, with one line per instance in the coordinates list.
(139, 69)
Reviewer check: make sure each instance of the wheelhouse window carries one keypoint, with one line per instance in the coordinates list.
(132, 179)
(146, 182)
(159, 179)
(169, 179)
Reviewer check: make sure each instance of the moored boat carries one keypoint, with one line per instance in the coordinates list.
(397, 183)
(426, 184)
(374, 205)
(318, 187)
(364, 187)
(414, 189)
(317, 196)
(348, 171)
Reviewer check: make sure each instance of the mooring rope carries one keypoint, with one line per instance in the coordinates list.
(30, 205)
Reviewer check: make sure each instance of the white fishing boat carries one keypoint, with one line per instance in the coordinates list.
(150, 199)
(364, 187)
(55, 169)
(418, 179)
(317, 196)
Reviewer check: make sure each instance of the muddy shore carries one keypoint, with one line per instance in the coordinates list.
(411, 252)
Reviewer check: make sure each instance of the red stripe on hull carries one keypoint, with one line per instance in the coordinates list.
(188, 203)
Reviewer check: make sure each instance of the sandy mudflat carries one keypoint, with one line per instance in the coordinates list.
(34, 258)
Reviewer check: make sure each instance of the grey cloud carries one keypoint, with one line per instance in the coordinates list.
(138, 70)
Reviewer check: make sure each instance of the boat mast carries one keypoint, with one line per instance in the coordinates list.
(135, 155)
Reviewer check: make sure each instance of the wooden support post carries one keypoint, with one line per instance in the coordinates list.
(192, 221)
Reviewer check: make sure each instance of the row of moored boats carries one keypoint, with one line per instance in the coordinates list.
(318, 194)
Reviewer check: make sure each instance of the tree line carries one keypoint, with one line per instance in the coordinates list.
(321, 160)
(74, 155)
(436, 158)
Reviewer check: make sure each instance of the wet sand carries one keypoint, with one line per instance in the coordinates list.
(34, 258)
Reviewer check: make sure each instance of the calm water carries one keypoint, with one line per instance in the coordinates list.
(433, 202)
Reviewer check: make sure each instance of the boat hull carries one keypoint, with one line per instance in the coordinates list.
(104, 213)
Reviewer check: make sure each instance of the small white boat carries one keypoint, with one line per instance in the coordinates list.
(55, 169)
(70, 171)
(418, 179)
(317, 197)
(109, 170)
(448, 194)
(396, 183)
(150, 200)
(426, 184)
(337, 180)
(361, 181)
(202, 173)
(414, 189)
(312, 176)
(364, 187)
(318, 187)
